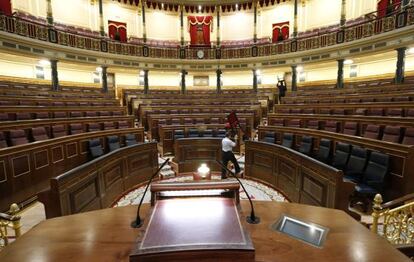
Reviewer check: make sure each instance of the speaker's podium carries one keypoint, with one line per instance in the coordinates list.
(202, 228)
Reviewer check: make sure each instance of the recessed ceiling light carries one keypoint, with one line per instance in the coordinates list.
(44, 62)
(237, 6)
(348, 62)
(199, 8)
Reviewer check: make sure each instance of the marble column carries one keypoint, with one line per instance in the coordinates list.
(101, 19)
(146, 85)
(49, 12)
(343, 13)
(54, 74)
(144, 29)
(254, 80)
(183, 87)
(295, 18)
(340, 75)
(294, 78)
(218, 25)
(399, 72)
(218, 84)
(104, 77)
(255, 21)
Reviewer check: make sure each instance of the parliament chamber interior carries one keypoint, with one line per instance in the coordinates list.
(207, 130)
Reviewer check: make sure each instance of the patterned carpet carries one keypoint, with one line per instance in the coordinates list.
(256, 190)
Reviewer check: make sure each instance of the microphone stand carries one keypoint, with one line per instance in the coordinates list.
(252, 219)
(138, 222)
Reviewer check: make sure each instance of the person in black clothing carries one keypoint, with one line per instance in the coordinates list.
(281, 86)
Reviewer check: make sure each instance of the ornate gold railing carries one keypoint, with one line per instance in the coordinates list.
(11, 219)
(394, 220)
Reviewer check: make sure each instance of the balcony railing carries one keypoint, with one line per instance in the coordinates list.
(368, 27)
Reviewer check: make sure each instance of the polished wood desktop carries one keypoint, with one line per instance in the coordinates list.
(106, 235)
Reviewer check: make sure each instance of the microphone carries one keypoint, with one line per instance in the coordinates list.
(138, 222)
(252, 219)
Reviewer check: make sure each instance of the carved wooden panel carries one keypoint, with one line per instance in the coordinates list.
(136, 162)
(263, 160)
(41, 159)
(20, 165)
(84, 195)
(200, 153)
(84, 147)
(3, 173)
(111, 175)
(314, 191)
(287, 170)
(71, 150)
(57, 154)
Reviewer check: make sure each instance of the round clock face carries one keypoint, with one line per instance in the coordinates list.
(200, 54)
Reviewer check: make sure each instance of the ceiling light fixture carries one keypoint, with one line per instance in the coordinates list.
(348, 62)
(199, 8)
(44, 62)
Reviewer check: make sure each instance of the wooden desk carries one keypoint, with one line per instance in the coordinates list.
(106, 236)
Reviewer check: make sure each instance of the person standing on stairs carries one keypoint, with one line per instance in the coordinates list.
(227, 155)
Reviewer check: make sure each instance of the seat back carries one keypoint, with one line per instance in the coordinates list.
(192, 132)
(357, 160)
(341, 156)
(59, 114)
(179, 133)
(58, 131)
(376, 170)
(39, 134)
(331, 126)
(76, 129)
(313, 124)
(123, 124)
(113, 143)
(23, 116)
(95, 148)
(18, 137)
(208, 133)
(392, 134)
(215, 120)
(325, 150)
(306, 145)
(75, 114)
(130, 140)
(109, 125)
(3, 142)
(408, 136)
(287, 140)
(42, 115)
(92, 127)
(372, 131)
(351, 128)
(269, 137)
(221, 133)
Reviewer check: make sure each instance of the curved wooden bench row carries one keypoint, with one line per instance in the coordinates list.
(52, 109)
(349, 108)
(401, 156)
(98, 183)
(385, 96)
(166, 136)
(300, 178)
(25, 169)
(48, 101)
(144, 112)
(154, 119)
(363, 121)
(48, 123)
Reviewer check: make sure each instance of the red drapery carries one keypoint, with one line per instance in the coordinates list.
(280, 31)
(200, 27)
(384, 7)
(117, 30)
(5, 7)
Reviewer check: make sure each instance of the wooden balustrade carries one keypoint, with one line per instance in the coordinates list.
(401, 156)
(98, 183)
(52, 109)
(26, 169)
(349, 108)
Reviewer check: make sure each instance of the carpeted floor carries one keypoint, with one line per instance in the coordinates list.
(257, 191)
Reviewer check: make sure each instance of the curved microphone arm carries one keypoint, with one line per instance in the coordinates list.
(138, 222)
(252, 219)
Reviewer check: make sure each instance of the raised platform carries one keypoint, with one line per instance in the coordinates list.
(106, 235)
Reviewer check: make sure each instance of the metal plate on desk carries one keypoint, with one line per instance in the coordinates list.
(307, 232)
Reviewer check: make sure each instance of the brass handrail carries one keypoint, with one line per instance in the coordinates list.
(11, 219)
(397, 220)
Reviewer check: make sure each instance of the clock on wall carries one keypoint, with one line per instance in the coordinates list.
(200, 54)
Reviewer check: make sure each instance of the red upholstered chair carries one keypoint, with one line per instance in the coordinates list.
(351, 128)
(184, 111)
(397, 112)
(109, 125)
(367, 100)
(3, 142)
(58, 131)
(296, 111)
(284, 111)
(188, 121)
(73, 104)
(383, 99)
(325, 111)
(338, 111)
(27, 103)
(408, 138)
(8, 103)
(372, 131)
(4, 117)
(354, 100)
(308, 111)
(409, 113)
(162, 122)
(76, 114)
(360, 112)
(401, 99)
(83, 104)
(199, 121)
(104, 113)
(205, 111)
(174, 112)
(18, 137)
(92, 127)
(277, 122)
(313, 124)
(59, 114)
(39, 134)
(294, 123)
(175, 121)
(375, 112)
(117, 113)
(23, 116)
(392, 134)
(91, 113)
(196, 111)
(76, 129)
(123, 124)
(61, 104)
(331, 126)
(215, 120)
(42, 115)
